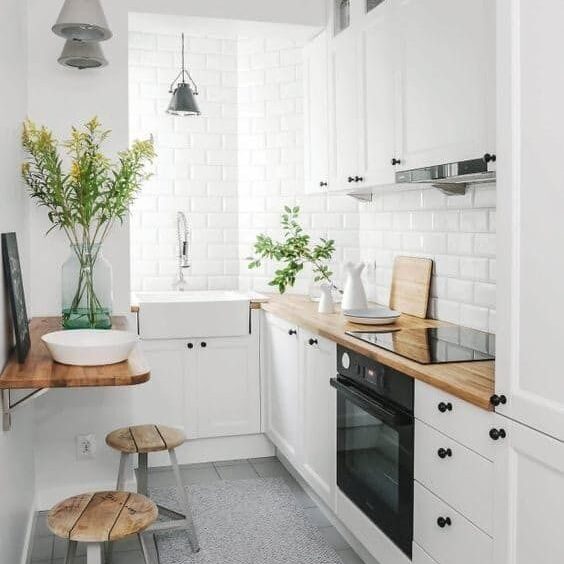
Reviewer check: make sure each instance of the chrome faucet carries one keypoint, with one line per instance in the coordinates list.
(184, 239)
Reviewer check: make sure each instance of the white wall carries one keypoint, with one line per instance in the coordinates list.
(59, 97)
(17, 485)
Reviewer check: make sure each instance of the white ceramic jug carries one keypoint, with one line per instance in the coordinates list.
(326, 304)
(354, 296)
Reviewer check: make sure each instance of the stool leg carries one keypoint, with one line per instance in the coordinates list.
(71, 552)
(192, 536)
(94, 553)
(142, 475)
(122, 472)
(144, 548)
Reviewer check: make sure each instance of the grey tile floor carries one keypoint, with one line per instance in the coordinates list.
(48, 549)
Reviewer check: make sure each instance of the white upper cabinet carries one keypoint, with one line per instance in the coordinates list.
(344, 118)
(316, 128)
(379, 93)
(447, 74)
(411, 84)
(530, 203)
(529, 495)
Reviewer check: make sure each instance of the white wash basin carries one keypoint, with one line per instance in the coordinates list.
(90, 347)
(190, 314)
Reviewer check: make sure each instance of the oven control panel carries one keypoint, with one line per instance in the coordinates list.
(375, 376)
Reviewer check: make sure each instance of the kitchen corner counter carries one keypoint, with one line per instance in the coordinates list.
(41, 371)
(470, 381)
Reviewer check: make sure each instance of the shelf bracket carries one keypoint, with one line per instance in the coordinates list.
(7, 406)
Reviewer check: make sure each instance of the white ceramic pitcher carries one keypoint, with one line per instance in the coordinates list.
(326, 304)
(354, 296)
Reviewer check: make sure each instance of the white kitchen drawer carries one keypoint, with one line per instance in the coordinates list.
(461, 542)
(420, 556)
(462, 421)
(464, 479)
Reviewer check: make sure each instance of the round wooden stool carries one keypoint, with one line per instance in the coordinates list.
(101, 517)
(141, 440)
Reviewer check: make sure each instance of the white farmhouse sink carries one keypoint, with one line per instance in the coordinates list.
(185, 315)
(90, 347)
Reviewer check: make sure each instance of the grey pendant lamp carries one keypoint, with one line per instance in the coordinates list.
(82, 55)
(82, 20)
(183, 102)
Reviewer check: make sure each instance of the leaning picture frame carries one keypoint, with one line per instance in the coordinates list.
(16, 295)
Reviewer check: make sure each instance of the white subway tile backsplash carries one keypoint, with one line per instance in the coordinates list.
(233, 169)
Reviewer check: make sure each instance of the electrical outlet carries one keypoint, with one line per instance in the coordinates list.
(85, 446)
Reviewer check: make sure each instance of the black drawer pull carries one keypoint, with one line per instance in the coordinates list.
(312, 342)
(442, 522)
(444, 452)
(444, 407)
(203, 344)
(496, 400)
(292, 332)
(396, 161)
(190, 345)
(322, 184)
(490, 157)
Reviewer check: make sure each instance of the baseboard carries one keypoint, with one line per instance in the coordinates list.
(29, 535)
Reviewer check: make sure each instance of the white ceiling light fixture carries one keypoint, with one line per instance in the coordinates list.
(82, 55)
(82, 20)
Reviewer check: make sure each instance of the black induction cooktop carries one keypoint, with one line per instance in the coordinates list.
(433, 345)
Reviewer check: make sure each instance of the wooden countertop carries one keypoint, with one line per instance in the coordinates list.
(470, 381)
(41, 371)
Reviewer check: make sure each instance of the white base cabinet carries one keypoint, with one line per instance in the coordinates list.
(301, 406)
(210, 387)
(529, 497)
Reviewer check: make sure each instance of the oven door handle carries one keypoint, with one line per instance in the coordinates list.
(375, 408)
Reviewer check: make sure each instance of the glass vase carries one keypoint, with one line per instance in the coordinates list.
(87, 289)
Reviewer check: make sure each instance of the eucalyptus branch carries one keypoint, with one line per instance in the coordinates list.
(294, 253)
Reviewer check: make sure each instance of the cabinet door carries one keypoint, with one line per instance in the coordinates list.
(316, 115)
(161, 399)
(379, 81)
(282, 381)
(319, 417)
(343, 111)
(529, 488)
(228, 386)
(530, 202)
(448, 80)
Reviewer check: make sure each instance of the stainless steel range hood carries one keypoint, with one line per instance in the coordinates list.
(451, 178)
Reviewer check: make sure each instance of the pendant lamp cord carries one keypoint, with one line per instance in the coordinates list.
(183, 73)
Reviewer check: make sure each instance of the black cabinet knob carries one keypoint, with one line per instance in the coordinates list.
(442, 522)
(359, 179)
(322, 184)
(292, 332)
(350, 179)
(444, 407)
(190, 345)
(497, 434)
(496, 400)
(490, 157)
(203, 344)
(312, 342)
(396, 161)
(444, 452)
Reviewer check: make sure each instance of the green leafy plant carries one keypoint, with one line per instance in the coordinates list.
(294, 252)
(88, 199)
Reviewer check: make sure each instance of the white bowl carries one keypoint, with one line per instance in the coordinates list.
(372, 316)
(90, 347)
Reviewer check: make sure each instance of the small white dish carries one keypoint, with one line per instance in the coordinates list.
(90, 347)
(372, 316)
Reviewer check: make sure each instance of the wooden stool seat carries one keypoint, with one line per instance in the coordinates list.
(145, 438)
(102, 516)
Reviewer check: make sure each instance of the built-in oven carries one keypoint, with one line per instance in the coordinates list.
(375, 430)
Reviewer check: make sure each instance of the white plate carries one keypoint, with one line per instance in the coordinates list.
(372, 316)
(90, 347)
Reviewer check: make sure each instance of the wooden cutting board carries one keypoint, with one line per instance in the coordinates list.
(411, 283)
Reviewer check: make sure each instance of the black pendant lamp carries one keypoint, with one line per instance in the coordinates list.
(183, 102)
